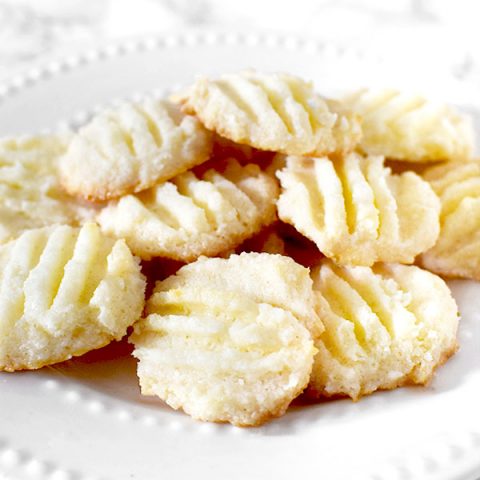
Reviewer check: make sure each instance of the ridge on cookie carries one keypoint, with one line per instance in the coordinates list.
(130, 148)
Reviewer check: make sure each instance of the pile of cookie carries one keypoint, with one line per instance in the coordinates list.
(289, 225)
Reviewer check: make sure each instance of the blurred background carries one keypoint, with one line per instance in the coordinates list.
(441, 32)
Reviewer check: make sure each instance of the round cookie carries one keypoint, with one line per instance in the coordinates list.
(408, 127)
(131, 148)
(229, 340)
(192, 214)
(356, 211)
(64, 291)
(385, 326)
(457, 251)
(30, 193)
(276, 112)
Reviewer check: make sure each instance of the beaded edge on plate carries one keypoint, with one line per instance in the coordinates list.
(14, 459)
(188, 39)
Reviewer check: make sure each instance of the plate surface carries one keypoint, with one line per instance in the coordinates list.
(85, 419)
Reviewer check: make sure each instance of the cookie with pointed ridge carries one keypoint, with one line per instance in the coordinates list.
(409, 127)
(30, 193)
(131, 148)
(64, 291)
(228, 340)
(356, 211)
(276, 112)
(192, 215)
(457, 251)
(385, 326)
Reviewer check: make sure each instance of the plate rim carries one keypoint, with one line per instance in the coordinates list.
(44, 70)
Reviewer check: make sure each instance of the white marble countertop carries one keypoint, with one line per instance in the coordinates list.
(444, 33)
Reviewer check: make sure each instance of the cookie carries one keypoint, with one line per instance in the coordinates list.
(131, 148)
(385, 326)
(356, 211)
(194, 215)
(457, 251)
(409, 127)
(64, 291)
(228, 340)
(276, 112)
(30, 194)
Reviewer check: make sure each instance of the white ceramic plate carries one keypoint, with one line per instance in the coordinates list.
(85, 419)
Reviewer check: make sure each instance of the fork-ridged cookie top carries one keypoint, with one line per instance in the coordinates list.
(191, 216)
(132, 147)
(30, 194)
(457, 251)
(385, 326)
(225, 339)
(64, 291)
(276, 112)
(409, 127)
(356, 211)
(264, 277)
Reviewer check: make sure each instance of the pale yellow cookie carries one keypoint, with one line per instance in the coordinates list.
(64, 291)
(457, 251)
(30, 194)
(386, 326)
(228, 340)
(131, 148)
(194, 215)
(276, 112)
(411, 128)
(356, 211)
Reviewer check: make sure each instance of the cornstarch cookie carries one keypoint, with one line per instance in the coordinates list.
(457, 251)
(276, 112)
(386, 326)
(194, 215)
(64, 291)
(30, 194)
(356, 211)
(411, 128)
(229, 340)
(131, 148)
